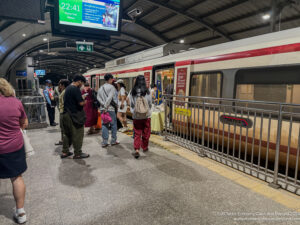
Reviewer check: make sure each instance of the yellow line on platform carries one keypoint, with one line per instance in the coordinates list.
(283, 197)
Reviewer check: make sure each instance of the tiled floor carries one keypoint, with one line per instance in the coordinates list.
(113, 188)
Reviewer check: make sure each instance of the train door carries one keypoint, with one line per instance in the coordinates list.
(164, 79)
(93, 82)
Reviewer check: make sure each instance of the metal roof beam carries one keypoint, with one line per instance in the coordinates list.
(163, 19)
(197, 20)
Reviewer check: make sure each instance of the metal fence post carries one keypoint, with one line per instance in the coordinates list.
(275, 184)
(166, 117)
(202, 153)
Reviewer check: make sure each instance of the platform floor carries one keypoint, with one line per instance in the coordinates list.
(112, 188)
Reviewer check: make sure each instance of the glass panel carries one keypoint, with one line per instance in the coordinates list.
(206, 85)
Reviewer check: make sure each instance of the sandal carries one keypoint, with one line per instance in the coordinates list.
(146, 150)
(136, 154)
(65, 155)
(59, 143)
(81, 156)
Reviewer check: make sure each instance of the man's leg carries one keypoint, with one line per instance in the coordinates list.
(77, 139)
(49, 113)
(105, 133)
(114, 127)
(67, 127)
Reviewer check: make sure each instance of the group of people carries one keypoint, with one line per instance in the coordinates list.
(78, 110)
(73, 97)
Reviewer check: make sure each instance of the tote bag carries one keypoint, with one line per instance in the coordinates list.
(28, 147)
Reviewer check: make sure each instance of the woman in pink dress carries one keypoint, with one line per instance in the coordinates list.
(90, 110)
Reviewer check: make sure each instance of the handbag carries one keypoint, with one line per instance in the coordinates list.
(105, 117)
(29, 151)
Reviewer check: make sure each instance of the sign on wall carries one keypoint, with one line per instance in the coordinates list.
(147, 78)
(181, 81)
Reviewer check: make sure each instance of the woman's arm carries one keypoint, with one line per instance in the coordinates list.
(23, 123)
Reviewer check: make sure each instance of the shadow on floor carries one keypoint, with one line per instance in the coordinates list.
(76, 173)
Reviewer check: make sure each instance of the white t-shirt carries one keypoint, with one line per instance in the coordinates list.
(122, 93)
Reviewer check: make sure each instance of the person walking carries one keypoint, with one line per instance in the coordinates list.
(122, 97)
(49, 97)
(106, 95)
(74, 119)
(90, 110)
(62, 85)
(12, 153)
(140, 107)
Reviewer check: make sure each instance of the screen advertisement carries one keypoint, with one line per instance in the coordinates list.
(97, 14)
(87, 18)
(40, 73)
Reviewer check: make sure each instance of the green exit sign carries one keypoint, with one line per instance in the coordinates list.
(85, 46)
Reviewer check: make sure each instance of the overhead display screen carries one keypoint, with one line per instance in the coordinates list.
(40, 73)
(94, 14)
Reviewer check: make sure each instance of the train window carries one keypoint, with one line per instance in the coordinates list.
(206, 84)
(275, 84)
(286, 93)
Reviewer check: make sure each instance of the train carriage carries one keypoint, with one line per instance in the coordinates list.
(234, 94)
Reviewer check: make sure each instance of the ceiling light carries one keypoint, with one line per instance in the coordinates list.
(41, 50)
(181, 41)
(95, 66)
(266, 16)
(24, 35)
(45, 39)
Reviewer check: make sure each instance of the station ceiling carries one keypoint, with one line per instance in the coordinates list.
(199, 23)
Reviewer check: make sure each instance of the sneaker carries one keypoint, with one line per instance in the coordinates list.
(105, 145)
(81, 156)
(20, 216)
(125, 129)
(116, 143)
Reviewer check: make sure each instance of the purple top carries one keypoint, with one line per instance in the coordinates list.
(11, 111)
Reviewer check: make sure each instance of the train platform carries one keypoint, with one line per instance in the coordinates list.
(168, 185)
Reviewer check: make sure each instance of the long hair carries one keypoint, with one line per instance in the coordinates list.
(122, 85)
(6, 89)
(140, 83)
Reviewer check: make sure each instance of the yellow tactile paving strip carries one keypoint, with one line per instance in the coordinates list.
(285, 198)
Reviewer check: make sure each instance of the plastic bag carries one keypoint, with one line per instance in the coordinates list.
(28, 147)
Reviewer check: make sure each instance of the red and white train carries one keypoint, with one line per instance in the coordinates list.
(262, 68)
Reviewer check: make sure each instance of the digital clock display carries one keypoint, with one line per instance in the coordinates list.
(96, 14)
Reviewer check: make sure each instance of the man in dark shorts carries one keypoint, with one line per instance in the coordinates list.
(74, 119)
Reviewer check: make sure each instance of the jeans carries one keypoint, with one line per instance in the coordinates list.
(105, 129)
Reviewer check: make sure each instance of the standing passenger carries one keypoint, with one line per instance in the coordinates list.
(62, 85)
(122, 97)
(106, 95)
(12, 153)
(49, 96)
(140, 106)
(74, 119)
(90, 110)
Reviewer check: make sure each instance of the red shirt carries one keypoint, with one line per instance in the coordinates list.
(11, 111)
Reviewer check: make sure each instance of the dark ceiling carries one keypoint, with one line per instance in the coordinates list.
(198, 22)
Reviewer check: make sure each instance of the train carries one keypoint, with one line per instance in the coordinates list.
(264, 68)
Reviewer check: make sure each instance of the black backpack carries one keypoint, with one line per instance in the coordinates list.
(96, 103)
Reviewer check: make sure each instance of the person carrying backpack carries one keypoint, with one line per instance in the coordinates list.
(140, 107)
